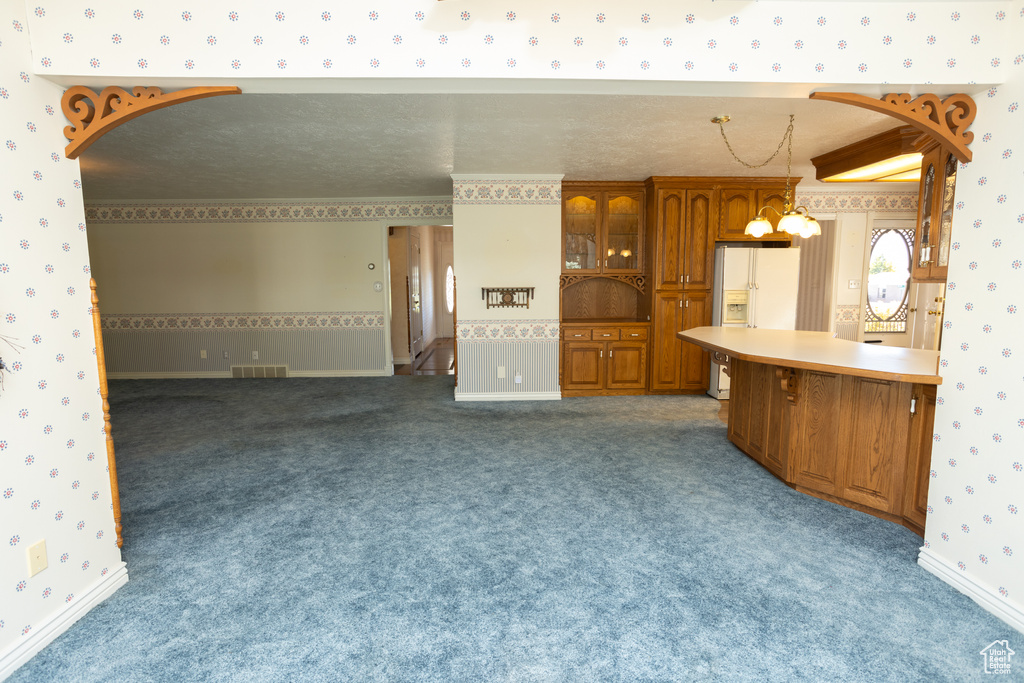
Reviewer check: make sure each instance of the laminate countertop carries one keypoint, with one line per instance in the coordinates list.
(818, 351)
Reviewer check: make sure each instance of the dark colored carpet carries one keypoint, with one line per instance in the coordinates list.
(374, 529)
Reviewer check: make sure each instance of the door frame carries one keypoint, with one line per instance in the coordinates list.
(385, 277)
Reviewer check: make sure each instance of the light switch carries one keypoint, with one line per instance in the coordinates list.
(854, 284)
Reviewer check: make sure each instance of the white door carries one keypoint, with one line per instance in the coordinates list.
(926, 316)
(776, 279)
(415, 297)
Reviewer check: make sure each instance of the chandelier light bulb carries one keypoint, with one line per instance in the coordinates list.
(759, 227)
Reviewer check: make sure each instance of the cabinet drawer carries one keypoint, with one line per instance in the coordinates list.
(576, 334)
(605, 334)
(633, 334)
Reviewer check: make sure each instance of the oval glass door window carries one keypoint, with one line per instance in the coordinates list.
(449, 289)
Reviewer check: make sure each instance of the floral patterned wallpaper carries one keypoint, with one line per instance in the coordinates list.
(54, 483)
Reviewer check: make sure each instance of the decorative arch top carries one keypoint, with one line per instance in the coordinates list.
(92, 115)
(944, 120)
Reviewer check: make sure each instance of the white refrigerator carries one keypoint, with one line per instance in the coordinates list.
(754, 287)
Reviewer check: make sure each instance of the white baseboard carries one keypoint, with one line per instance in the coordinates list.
(169, 375)
(403, 360)
(342, 373)
(44, 634)
(989, 601)
(227, 375)
(510, 396)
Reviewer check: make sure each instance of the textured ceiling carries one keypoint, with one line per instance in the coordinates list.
(380, 145)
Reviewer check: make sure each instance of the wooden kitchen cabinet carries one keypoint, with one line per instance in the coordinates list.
(679, 366)
(922, 422)
(602, 228)
(604, 360)
(851, 440)
(933, 236)
(740, 203)
(684, 247)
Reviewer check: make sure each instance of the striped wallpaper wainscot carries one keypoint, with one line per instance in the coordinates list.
(333, 344)
(528, 348)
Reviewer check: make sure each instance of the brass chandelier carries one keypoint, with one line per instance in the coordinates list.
(793, 220)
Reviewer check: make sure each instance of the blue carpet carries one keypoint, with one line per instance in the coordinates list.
(374, 529)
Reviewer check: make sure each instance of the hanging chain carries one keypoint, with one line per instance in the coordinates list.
(787, 136)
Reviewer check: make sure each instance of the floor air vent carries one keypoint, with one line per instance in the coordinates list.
(258, 371)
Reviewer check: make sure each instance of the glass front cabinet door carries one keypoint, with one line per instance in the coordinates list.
(581, 233)
(601, 230)
(935, 216)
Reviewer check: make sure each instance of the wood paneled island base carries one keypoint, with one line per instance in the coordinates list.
(849, 423)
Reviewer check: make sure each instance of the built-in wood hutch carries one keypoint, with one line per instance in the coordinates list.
(637, 268)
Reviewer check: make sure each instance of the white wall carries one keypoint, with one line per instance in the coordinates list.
(507, 233)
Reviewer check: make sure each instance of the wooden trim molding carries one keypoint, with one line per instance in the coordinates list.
(115, 495)
(92, 115)
(638, 282)
(944, 120)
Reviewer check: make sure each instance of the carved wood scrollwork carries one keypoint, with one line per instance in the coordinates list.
(722, 359)
(92, 115)
(944, 120)
(790, 385)
(638, 282)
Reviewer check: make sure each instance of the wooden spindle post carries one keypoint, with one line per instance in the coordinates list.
(115, 495)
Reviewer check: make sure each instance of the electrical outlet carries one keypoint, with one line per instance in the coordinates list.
(519, 378)
(501, 372)
(37, 557)
(255, 355)
(225, 355)
(202, 354)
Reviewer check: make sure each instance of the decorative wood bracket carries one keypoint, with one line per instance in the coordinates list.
(945, 121)
(722, 359)
(92, 115)
(788, 379)
(636, 281)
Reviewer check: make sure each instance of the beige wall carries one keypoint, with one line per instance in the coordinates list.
(499, 245)
(238, 267)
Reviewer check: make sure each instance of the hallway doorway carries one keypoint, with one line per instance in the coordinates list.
(422, 324)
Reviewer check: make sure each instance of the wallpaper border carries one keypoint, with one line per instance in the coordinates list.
(162, 322)
(527, 192)
(842, 201)
(508, 330)
(318, 211)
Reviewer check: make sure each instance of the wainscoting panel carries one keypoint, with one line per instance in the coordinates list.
(537, 361)
(307, 348)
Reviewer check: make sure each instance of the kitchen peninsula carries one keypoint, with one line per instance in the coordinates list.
(846, 422)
